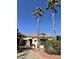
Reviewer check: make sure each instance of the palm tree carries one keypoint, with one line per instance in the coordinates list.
(52, 4)
(37, 13)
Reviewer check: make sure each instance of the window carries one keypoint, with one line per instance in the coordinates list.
(34, 40)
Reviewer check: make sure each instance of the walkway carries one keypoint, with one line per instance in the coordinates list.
(37, 54)
(30, 55)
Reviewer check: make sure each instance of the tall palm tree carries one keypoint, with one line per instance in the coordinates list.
(52, 4)
(37, 13)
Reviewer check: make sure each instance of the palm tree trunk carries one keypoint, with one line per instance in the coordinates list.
(38, 26)
(38, 31)
(53, 25)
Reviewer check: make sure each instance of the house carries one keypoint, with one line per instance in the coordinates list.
(35, 41)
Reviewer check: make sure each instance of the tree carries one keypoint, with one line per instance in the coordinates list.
(37, 13)
(52, 4)
(20, 37)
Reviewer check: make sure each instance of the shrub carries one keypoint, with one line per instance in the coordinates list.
(22, 43)
(48, 47)
(53, 47)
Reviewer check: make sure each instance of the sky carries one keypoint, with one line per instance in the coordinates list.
(26, 23)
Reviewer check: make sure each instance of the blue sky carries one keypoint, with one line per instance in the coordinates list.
(26, 23)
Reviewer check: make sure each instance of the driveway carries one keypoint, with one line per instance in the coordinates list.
(30, 55)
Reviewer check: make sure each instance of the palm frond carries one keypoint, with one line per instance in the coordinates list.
(38, 12)
(52, 4)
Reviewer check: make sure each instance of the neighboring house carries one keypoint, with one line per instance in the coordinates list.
(35, 42)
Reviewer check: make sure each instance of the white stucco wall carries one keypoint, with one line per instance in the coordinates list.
(35, 42)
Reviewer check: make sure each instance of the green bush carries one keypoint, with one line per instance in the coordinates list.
(53, 47)
(48, 47)
(22, 43)
(57, 47)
